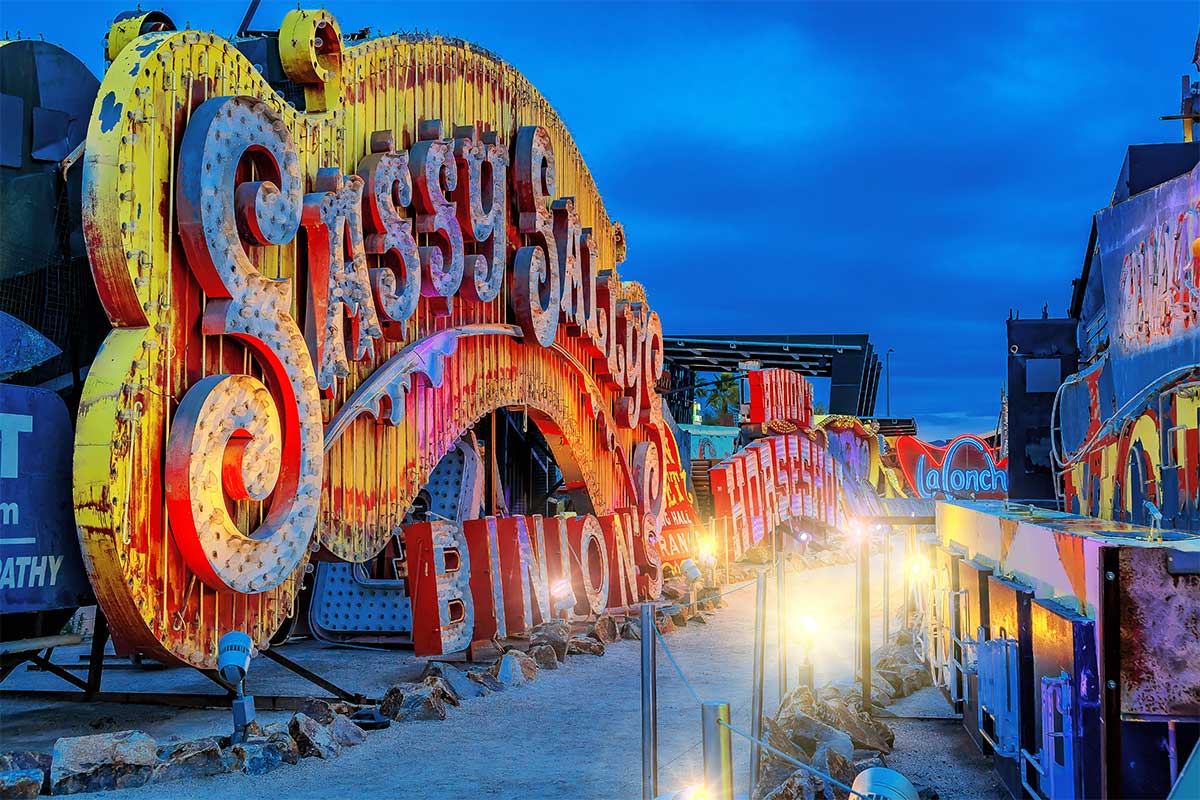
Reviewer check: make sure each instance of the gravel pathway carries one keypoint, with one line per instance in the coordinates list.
(574, 734)
(937, 752)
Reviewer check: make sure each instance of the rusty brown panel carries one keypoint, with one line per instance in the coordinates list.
(1160, 636)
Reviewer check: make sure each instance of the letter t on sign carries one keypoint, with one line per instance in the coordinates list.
(11, 426)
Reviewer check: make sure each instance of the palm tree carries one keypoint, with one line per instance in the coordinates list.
(721, 400)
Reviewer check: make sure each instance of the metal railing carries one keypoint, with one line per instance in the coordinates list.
(998, 692)
(715, 716)
(1056, 779)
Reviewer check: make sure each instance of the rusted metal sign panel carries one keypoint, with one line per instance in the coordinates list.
(40, 567)
(1160, 635)
(1130, 420)
(680, 523)
(779, 395)
(311, 307)
(1148, 246)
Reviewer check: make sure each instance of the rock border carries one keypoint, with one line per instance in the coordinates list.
(324, 727)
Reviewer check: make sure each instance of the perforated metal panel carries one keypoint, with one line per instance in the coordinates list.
(452, 486)
(346, 603)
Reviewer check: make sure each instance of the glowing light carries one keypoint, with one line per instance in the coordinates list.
(805, 537)
(562, 589)
(707, 550)
(917, 568)
(808, 625)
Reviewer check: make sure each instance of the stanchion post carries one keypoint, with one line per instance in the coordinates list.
(781, 621)
(887, 583)
(856, 656)
(864, 618)
(725, 539)
(718, 750)
(907, 573)
(649, 706)
(756, 684)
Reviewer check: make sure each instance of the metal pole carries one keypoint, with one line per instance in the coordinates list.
(718, 750)
(888, 366)
(781, 621)
(907, 578)
(725, 537)
(649, 706)
(864, 618)
(756, 685)
(856, 657)
(887, 583)
(1172, 753)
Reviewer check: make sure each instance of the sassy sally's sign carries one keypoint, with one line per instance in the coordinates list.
(314, 302)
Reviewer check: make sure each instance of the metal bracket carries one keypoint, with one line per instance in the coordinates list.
(1056, 779)
(998, 691)
(314, 678)
(1182, 562)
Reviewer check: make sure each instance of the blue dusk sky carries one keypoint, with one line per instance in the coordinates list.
(910, 171)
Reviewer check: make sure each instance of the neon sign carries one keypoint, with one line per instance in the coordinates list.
(966, 468)
(779, 394)
(312, 306)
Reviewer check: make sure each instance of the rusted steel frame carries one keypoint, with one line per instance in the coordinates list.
(314, 678)
(263, 702)
(45, 663)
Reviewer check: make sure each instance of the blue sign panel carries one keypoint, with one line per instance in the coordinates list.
(712, 442)
(40, 563)
(1140, 301)
(1150, 286)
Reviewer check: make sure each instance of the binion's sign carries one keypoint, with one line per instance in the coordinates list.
(966, 468)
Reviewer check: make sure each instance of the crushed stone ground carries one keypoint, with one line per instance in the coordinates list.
(574, 734)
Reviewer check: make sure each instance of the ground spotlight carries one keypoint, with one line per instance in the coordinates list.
(564, 596)
(234, 652)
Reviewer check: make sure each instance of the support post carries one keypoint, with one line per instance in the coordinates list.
(649, 706)
(96, 663)
(725, 537)
(756, 684)
(887, 583)
(781, 621)
(864, 617)
(907, 579)
(311, 677)
(718, 750)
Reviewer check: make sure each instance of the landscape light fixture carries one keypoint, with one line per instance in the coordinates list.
(807, 629)
(234, 652)
(564, 596)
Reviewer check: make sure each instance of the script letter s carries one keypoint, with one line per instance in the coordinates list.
(234, 436)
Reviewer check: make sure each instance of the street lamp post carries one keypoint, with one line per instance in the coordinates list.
(887, 367)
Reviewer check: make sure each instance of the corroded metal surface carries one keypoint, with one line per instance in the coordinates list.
(1159, 637)
(318, 269)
